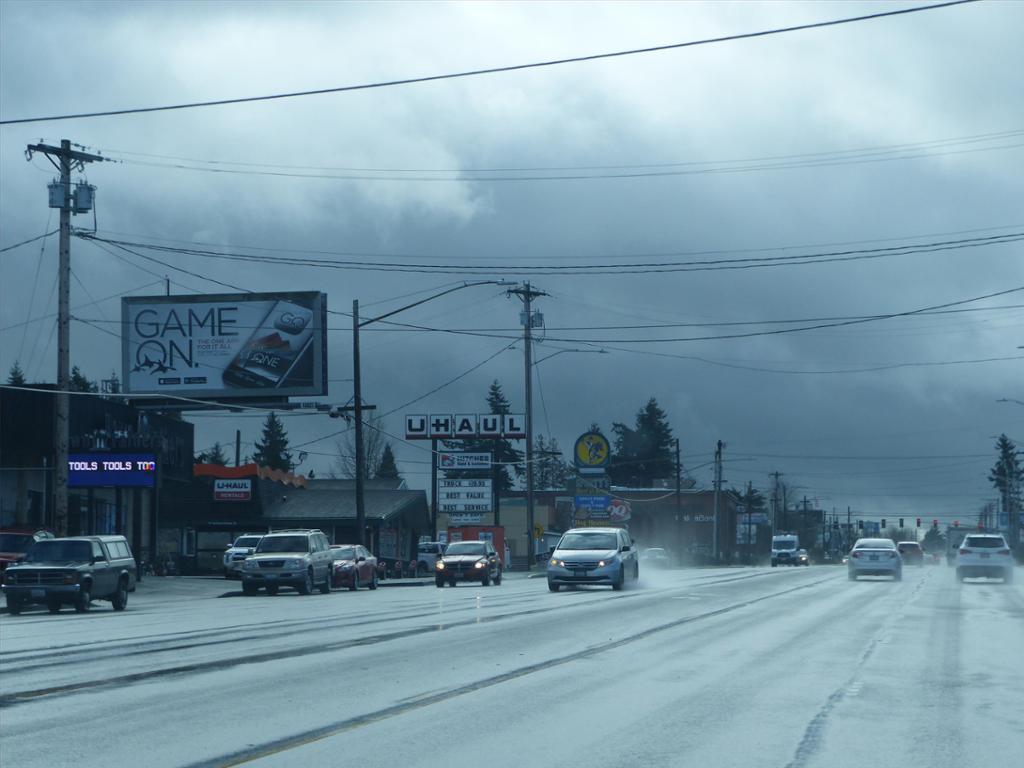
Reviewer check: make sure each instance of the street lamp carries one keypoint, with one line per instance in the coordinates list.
(357, 390)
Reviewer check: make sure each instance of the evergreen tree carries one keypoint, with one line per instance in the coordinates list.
(387, 468)
(272, 451)
(213, 456)
(502, 451)
(643, 454)
(16, 377)
(80, 383)
(1008, 477)
(550, 470)
(115, 383)
(752, 499)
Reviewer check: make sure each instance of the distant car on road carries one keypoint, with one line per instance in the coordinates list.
(353, 566)
(984, 554)
(875, 557)
(911, 552)
(74, 570)
(655, 557)
(468, 561)
(427, 555)
(236, 553)
(593, 556)
(15, 542)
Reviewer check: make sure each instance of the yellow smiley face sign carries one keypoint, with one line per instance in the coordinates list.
(592, 451)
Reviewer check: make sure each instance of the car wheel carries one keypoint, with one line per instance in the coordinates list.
(14, 606)
(851, 575)
(1008, 576)
(306, 587)
(773, 563)
(355, 581)
(272, 590)
(439, 583)
(554, 587)
(485, 580)
(120, 598)
(325, 588)
(249, 589)
(83, 599)
(898, 576)
(497, 578)
(452, 582)
(618, 585)
(373, 581)
(53, 607)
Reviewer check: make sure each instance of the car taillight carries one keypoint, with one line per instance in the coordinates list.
(855, 554)
(1003, 552)
(892, 555)
(965, 551)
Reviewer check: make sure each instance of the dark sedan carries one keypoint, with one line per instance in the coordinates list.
(468, 561)
(353, 566)
(911, 552)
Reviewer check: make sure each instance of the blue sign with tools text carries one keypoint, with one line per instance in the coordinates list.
(125, 470)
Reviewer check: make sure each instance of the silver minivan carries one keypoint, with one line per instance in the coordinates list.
(593, 556)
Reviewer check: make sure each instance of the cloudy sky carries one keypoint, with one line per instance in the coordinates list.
(883, 134)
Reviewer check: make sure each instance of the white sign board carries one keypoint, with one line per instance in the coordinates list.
(465, 518)
(464, 426)
(232, 489)
(463, 461)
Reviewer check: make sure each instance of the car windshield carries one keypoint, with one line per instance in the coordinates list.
(589, 541)
(15, 542)
(247, 541)
(784, 545)
(908, 545)
(984, 542)
(427, 549)
(466, 548)
(283, 544)
(343, 553)
(874, 544)
(57, 551)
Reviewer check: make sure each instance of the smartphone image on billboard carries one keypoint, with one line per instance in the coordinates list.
(274, 349)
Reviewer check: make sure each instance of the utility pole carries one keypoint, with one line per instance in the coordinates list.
(238, 447)
(357, 407)
(679, 501)
(527, 294)
(718, 489)
(61, 197)
(775, 502)
(750, 523)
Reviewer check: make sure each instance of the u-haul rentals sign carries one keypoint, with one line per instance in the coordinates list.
(232, 490)
(459, 426)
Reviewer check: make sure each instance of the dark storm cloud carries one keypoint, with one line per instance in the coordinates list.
(931, 76)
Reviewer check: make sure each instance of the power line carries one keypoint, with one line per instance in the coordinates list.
(620, 268)
(493, 70)
(30, 240)
(883, 149)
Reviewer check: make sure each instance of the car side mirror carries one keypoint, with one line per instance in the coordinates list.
(360, 559)
(251, 551)
(626, 548)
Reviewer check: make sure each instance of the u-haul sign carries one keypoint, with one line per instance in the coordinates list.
(464, 426)
(232, 490)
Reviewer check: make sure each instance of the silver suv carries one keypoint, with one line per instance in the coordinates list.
(299, 558)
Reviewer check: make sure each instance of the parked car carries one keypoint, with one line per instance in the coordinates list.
(298, 558)
(593, 556)
(911, 552)
(74, 570)
(15, 542)
(353, 566)
(244, 546)
(427, 555)
(655, 557)
(468, 561)
(984, 554)
(874, 557)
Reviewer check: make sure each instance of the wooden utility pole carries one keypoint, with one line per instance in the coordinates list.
(65, 158)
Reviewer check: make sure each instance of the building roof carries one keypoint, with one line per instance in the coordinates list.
(318, 503)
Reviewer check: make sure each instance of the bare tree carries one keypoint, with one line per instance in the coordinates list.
(373, 449)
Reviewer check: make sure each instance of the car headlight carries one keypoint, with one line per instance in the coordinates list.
(249, 565)
(480, 564)
(439, 565)
(10, 578)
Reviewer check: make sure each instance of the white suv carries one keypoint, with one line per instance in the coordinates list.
(299, 558)
(984, 554)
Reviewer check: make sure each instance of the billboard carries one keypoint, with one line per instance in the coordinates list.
(228, 489)
(225, 345)
(125, 470)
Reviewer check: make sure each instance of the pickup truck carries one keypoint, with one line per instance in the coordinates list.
(74, 570)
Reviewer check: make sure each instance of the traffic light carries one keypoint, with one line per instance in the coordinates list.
(860, 525)
(956, 523)
(919, 522)
(883, 523)
(901, 523)
(935, 524)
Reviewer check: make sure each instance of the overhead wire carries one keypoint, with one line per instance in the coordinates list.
(495, 70)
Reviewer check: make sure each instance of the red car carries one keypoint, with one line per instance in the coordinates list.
(353, 566)
(14, 543)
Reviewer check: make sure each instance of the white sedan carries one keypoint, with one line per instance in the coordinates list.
(875, 557)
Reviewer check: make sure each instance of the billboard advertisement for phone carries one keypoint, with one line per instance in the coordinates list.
(225, 345)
